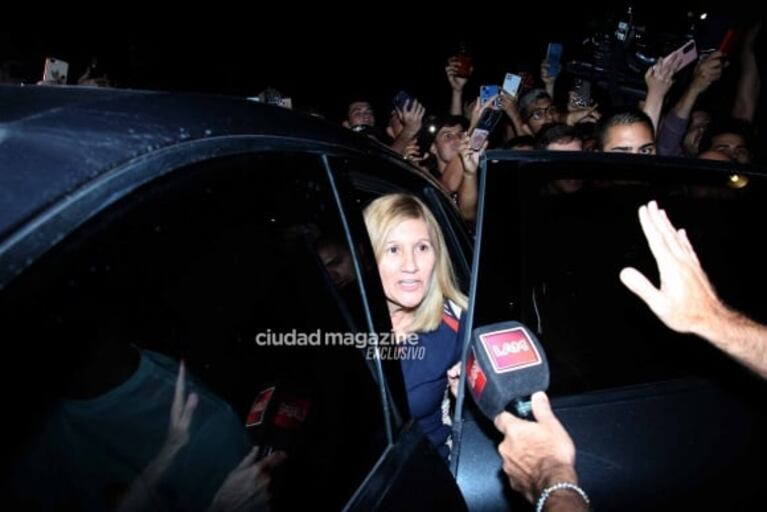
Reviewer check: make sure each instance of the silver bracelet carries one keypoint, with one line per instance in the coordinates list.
(556, 487)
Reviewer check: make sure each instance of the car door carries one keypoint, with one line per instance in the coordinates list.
(660, 420)
(231, 263)
(412, 463)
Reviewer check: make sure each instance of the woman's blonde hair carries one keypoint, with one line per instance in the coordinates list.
(389, 211)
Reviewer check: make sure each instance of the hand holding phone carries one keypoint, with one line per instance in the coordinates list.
(463, 62)
(401, 100)
(55, 71)
(685, 54)
(554, 59)
(580, 96)
(485, 126)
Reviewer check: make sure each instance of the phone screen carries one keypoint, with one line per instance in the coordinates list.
(511, 83)
(486, 92)
(55, 71)
(401, 100)
(554, 57)
(478, 137)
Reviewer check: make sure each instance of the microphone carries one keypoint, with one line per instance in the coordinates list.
(277, 417)
(505, 367)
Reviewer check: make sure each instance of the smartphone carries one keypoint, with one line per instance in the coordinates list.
(554, 58)
(402, 99)
(478, 138)
(511, 84)
(485, 126)
(688, 52)
(464, 61)
(727, 41)
(272, 96)
(582, 96)
(488, 91)
(55, 71)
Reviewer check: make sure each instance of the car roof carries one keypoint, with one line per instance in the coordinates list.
(54, 140)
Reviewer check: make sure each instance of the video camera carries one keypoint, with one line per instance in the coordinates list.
(616, 55)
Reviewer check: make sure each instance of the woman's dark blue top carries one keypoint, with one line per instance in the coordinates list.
(426, 378)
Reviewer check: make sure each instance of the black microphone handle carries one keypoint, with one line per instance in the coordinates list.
(522, 408)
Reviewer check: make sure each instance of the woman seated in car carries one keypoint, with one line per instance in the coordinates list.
(424, 303)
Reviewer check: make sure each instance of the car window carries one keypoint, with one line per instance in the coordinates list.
(240, 266)
(556, 236)
(368, 180)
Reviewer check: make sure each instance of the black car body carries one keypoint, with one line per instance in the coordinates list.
(194, 223)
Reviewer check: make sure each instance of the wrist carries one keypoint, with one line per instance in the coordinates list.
(563, 496)
(410, 132)
(696, 90)
(654, 95)
(713, 323)
(552, 473)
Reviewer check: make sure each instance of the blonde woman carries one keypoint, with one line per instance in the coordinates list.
(423, 299)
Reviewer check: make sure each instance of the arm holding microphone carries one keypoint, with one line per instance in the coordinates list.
(539, 459)
(507, 370)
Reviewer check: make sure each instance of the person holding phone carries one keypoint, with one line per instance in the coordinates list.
(537, 109)
(659, 79)
(682, 128)
(405, 122)
(458, 158)
(458, 73)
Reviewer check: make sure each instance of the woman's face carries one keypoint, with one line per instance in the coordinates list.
(407, 264)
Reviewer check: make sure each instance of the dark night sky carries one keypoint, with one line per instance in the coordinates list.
(319, 59)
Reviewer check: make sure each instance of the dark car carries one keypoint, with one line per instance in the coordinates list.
(198, 228)
(220, 232)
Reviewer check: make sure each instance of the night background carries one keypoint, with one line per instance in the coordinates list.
(322, 57)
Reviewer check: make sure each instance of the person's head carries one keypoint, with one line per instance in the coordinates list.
(448, 132)
(521, 143)
(698, 123)
(413, 261)
(558, 137)
(732, 137)
(587, 132)
(626, 131)
(337, 260)
(537, 109)
(714, 155)
(359, 113)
